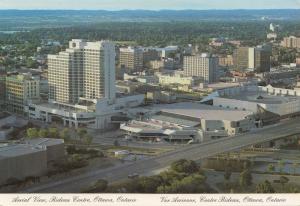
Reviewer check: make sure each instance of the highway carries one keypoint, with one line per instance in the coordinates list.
(148, 166)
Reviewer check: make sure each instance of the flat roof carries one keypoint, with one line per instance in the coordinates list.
(14, 150)
(202, 111)
(45, 141)
(223, 85)
(179, 121)
(261, 97)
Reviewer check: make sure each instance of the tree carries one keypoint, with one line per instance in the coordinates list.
(81, 133)
(32, 133)
(88, 139)
(281, 164)
(43, 133)
(295, 166)
(185, 166)
(190, 184)
(245, 178)
(283, 180)
(65, 134)
(149, 184)
(265, 187)
(53, 133)
(99, 186)
(169, 176)
(271, 168)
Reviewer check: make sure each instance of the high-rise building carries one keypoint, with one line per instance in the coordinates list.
(150, 55)
(21, 89)
(131, 58)
(85, 69)
(226, 60)
(205, 66)
(240, 58)
(2, 89)
(254, 58)
(298, 61)
(291, 42)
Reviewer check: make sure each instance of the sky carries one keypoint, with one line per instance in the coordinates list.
(149, 4)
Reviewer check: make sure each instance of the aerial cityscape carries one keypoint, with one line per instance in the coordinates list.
(149, 97)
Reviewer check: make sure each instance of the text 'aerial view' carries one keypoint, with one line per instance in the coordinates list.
(116, 100)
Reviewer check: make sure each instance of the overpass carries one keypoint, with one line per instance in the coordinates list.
(192, 152)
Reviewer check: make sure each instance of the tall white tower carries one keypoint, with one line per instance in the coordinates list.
(85, 69)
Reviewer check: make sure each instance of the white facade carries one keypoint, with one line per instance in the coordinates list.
(85, 69)
(97, 116)
(276, 100)
(201, 66)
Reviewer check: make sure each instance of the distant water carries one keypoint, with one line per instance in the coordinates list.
(11, 32)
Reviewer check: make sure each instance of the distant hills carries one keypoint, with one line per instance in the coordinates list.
(28, 19)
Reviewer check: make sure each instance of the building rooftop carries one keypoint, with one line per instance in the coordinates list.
(199, 111)
(262, 97)
(45, 141)
(174, 120)
(13, 150)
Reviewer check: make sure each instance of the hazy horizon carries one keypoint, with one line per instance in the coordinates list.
(115, 5)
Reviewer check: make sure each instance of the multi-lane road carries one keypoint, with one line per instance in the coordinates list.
(193, 152)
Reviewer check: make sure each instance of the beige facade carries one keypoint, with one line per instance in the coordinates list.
(204, 66)
(131, 58)
(2, 90)
(21, 89)
(85, 69)
(226, 61)
(291, 42)
(166, 79)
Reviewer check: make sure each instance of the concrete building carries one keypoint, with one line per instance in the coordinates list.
(150, 55)
(2, 90)
(298, 62)
(131, 58)
(143, 78)
(272, 36)
(55, 148)
(95, 114)
(85, 69)
(291, 42)
(180, 79)
(19, 161)
(21, 90)
(269, 104)
(226, 61)
(252, 58)
(190, 121)
(205, 66)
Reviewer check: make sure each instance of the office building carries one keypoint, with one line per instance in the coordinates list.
(205, 66)
(150, 55)
(291, 42)
(21, 90)
(256, 59)
(2, 90)
(131, 59)
(226, 60)
(85, 69)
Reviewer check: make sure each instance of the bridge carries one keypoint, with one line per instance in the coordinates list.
(158, 163)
